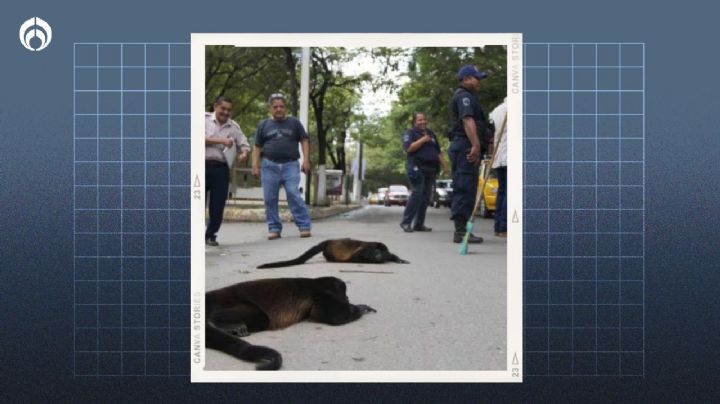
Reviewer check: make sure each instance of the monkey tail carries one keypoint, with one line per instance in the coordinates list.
(266, 358)
(299, 260)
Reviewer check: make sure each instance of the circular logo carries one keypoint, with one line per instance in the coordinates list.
(35, 34)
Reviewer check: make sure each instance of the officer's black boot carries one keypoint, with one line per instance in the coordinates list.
(460, 230)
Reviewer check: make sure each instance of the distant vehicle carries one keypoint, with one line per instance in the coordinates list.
(442, 194)
(487, 205)
(397, 195)
(374, 199)
(381, 195)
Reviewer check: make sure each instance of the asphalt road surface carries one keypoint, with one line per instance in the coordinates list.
(442, 311)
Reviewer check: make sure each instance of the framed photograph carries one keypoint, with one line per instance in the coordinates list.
(434, 312)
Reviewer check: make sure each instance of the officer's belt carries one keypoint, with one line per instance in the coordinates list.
(459, 136)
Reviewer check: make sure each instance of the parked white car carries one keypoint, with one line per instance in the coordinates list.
(397, 195)
(442, 195)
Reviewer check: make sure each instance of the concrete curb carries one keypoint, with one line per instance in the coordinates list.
(238, 214)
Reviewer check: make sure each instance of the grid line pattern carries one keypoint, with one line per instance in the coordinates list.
(584, 206)
(131, 209)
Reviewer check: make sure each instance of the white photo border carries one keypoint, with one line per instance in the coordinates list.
(514, 45)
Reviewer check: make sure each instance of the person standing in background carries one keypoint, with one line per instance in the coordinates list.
(423, 161)
(275, 161)
(499, 116)
(220, 132)
(467, 128)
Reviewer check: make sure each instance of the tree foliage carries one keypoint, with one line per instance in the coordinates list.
(334, 95)
(429, 83)
(432, 74)
(246, 75)
(250, 75)
(423, 79)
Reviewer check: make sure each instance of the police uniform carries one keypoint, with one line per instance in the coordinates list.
(421, 167)
(464, 173)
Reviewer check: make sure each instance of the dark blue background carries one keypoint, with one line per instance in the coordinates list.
(682, 148)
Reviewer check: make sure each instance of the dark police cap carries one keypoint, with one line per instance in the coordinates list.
(470, 70)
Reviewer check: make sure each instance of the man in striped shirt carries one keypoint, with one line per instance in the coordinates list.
(220, 132)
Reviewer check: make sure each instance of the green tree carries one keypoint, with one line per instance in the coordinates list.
(427, 80)
(248, 76)
(429, 83)
(333, 96)
(432, 77)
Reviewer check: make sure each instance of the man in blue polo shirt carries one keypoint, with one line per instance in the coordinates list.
(275, 161)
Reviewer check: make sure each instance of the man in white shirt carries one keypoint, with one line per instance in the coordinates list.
(220, 132)
(498, 116)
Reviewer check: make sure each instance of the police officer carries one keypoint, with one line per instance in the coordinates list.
(423, 161)
(468, 138)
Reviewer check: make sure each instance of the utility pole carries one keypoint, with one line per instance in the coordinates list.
(304, 101)
(357, 178)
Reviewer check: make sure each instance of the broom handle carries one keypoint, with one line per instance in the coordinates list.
(486, 174)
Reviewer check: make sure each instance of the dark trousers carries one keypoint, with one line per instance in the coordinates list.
(465, 179)
(501, 201)
(217, 180)
(422, 185)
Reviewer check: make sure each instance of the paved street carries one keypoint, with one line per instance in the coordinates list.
(441, 312)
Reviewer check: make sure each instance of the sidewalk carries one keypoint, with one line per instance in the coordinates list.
(238, 210)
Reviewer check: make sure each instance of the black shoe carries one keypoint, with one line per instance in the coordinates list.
(211, 242)
(473, 239)
(423, 228)
(406, 228)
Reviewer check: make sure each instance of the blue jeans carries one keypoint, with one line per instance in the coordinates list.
(272, 176)
(501, 201)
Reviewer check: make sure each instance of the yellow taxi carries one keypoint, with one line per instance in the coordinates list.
(487, 204)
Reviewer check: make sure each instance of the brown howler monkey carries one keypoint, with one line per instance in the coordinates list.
(270, 304)
(344, 250)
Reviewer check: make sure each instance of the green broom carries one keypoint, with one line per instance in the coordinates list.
(481, 192)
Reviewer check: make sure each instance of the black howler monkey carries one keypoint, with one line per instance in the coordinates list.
(344, 250)
(270, 304)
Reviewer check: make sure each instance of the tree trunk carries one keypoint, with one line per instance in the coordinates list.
(320, 70)
(322, 141)
(340, 151)
(291, 63)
